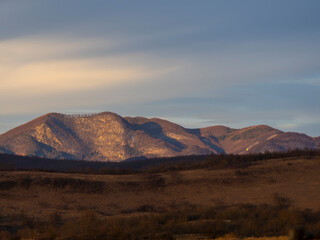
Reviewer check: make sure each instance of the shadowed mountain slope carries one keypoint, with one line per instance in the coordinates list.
(109, 137)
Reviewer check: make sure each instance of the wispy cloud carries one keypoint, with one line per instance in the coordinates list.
(35, 66)
(73, 75)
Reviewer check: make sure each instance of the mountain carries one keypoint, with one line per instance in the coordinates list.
(109, 137)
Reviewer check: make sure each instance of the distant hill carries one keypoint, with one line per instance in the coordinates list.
(109, 137)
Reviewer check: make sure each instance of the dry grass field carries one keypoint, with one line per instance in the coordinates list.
(290, 184)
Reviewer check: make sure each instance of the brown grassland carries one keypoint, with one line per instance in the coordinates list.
(262, 199)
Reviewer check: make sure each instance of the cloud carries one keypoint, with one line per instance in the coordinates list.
(71, 76)
(39, 67)
(39, 47)
(57, 72)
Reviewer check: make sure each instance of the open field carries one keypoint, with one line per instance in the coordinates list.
(69, 194)
(198, 197)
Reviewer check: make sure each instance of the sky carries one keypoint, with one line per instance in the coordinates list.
(197, 63)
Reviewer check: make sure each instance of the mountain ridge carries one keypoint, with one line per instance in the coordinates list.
(107, 136)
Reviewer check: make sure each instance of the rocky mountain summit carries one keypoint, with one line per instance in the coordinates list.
(109, 137)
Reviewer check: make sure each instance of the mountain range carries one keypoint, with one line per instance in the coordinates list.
(107, 136)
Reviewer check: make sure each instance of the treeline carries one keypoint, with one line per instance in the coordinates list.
(234, 161)
(238, 220)
(16, 162)
(68, 184)
(216, 161)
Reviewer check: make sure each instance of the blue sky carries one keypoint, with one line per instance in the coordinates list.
(198, 63)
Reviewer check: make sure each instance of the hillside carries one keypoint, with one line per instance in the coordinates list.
(109, 137)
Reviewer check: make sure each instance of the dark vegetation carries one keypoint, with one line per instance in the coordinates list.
(221, 161)
(75, 185)
(240, 220)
